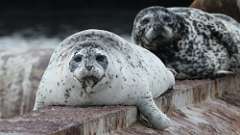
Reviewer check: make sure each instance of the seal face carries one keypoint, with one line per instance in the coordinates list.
(194, 43)
(96, 67)
(88, 66)
(150, 27)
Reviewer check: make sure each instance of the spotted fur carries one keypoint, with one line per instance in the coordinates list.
(194, 43)
(95, 67)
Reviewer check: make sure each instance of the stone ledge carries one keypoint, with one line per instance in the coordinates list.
(106, 120)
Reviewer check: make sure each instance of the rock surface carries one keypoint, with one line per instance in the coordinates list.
(20, 73)
(228, 7)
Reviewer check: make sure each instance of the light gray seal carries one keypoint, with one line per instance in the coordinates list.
(96, 67)
(194, 43)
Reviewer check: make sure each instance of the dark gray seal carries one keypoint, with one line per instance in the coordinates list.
(194, 43)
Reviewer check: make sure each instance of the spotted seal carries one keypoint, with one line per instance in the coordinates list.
(96, 67)
(194, 43)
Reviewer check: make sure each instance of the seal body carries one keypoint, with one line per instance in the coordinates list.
(96, 67)
(194, 43)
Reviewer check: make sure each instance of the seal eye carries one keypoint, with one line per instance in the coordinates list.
(100, 58)
(145, 21)
(78, 58)
(166, 19)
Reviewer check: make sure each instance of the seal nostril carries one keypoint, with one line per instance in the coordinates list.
(158, 27)
(89, 68)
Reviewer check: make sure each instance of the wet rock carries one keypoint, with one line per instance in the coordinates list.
(228, 7)
(20, 74)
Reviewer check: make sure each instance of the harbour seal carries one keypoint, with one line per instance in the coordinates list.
(96, 67)
(194, 43)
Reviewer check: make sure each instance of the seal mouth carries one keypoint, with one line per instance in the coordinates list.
(89, 82)
(151, 43)
(152, 36)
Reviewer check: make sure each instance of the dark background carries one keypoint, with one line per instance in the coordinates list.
(77, 4)
(64, 17)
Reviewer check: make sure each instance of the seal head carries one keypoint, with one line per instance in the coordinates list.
(156, 26)
(88, 65)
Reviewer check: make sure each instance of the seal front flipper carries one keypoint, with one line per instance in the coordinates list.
(181, 76)
(154, 115)
(174, 72)
(38, 105)
(223, 73)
